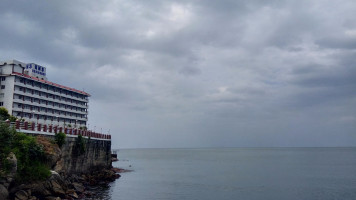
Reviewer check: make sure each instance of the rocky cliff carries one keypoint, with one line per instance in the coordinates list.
(77, 163)
(96, 155)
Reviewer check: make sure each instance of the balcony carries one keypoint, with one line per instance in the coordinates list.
(34, 103)
(17, 83)
(48, 114)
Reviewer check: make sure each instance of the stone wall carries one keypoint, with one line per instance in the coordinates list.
(97, 155)
(69, 160)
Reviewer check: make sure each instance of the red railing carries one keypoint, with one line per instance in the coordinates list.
(31, 126)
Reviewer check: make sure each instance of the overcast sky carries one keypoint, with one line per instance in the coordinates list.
(198, 73)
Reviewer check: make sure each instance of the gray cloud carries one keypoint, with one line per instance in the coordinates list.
(198, 73)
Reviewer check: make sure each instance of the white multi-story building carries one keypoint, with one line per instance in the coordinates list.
(26, 94)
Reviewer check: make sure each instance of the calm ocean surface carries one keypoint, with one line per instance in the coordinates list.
(238, 173)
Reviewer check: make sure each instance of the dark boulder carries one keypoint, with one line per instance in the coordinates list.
(4, 194)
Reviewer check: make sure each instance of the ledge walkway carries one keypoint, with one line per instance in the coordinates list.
(43, 129)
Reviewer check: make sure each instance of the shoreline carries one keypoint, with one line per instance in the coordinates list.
(57, 187)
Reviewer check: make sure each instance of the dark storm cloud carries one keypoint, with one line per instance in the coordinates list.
(198, 73)
(338, 43)
(190, 71)
(338, 75)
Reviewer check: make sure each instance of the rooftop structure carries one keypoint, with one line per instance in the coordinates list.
(27, 94)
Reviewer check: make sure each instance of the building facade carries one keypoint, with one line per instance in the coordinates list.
(27, 94)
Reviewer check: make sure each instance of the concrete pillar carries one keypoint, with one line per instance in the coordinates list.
(17, 124)
(38, 127)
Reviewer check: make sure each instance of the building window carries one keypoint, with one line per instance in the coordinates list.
(1, 95)
(3, 78)
(1, 103)
(2, 86)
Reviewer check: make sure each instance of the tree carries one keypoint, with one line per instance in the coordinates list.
(60, 138)
(12, 118)
(31, 158)
(4, 113)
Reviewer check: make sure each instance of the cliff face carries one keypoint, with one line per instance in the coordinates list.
(96, 155)
(76, 155)
(90, 158)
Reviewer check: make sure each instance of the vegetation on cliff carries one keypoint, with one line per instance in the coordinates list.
(30, 155)
(4, 115)
(25, 162)
(80, 145)
(60, 139)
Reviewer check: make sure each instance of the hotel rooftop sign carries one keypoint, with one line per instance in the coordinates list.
(36, 70)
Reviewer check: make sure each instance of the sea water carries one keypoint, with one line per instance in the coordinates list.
(236, 173)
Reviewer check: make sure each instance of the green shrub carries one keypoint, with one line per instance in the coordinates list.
(35, 171)
(4, 113)
(60, 138)
(6, 140)
(12, 118)
(30, 158)
(30, 155)
(80, 144)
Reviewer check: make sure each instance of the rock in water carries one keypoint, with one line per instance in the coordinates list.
(52, 198)
(73, 195)
(79, 187)
(21, 195)
(56, 188)
(3, 192)
(57, 183)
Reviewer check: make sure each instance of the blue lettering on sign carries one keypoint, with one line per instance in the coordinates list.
(36, 69)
